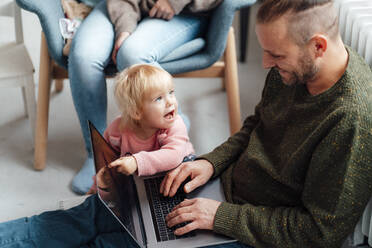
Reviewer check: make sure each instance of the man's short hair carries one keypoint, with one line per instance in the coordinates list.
(306, 17)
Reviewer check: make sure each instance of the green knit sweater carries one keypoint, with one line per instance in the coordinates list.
(298, 174)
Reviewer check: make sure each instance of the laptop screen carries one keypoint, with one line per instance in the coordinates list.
(116, 190)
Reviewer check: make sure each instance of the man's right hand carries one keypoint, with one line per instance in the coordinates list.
(200, 171)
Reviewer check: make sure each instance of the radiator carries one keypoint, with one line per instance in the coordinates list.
(355, 21)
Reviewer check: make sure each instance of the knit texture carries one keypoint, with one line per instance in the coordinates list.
(298, 174)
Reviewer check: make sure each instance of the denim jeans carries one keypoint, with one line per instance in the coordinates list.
(90, 54)
(89, 224)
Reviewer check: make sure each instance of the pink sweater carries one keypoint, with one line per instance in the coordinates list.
(163, 151)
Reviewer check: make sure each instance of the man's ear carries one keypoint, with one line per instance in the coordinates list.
(318, 45)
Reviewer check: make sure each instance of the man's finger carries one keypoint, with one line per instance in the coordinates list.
(168, 181)
(181, 177)
(181, 218)
(181, 208)
(164, 183)
(193, 184)
(187, 228)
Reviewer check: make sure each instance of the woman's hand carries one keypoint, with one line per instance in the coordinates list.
(119, 41)
(126, 165)
(162, 10)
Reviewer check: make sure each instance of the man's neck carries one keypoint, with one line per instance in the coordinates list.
(331, 71)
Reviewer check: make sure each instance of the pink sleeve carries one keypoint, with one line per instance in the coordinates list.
(173, 148)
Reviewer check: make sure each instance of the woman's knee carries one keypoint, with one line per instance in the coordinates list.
(133, 52)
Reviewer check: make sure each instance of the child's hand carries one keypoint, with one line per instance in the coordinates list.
(162, 10)
(126, 165)
(119, 41)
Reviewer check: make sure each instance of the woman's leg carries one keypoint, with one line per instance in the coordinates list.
(89, 55)
(155, 38)
(88, 223)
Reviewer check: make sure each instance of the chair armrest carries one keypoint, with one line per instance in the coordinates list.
(219, 26)
(49, 12)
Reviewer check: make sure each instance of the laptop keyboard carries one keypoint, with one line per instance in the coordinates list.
(160, 207)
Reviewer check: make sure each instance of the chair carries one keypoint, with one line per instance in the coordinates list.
(16, 69)
(200, 64)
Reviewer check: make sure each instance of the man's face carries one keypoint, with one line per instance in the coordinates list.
(294, 63)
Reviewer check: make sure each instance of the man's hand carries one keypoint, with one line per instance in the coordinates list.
(162, 10)
(119, 41)
(200, 171)
(126, 165)
(200, 212)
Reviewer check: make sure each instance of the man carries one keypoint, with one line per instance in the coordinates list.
(298, 173)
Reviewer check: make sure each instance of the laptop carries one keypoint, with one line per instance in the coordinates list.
(138, 206)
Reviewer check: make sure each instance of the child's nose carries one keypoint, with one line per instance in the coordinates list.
(169, 100)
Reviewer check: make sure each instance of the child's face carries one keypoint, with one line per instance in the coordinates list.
(159, 108)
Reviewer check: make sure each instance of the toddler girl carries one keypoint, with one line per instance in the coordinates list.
(149, 134)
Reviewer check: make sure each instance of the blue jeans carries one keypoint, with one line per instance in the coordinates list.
(90, 54)
(89, 224)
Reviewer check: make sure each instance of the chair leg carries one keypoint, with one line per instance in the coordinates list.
(25, 100)
(232, 83)
(41, 132)
(29, 90)
(59, 85)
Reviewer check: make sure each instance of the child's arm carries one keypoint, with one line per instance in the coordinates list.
(119, 41)
(126, 165)
(174, 147)
(124, 15)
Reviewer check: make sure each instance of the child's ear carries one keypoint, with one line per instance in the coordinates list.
(136, 115)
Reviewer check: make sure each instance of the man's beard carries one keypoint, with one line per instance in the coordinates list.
(309, 70)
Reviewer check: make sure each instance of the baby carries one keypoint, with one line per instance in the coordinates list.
(149, 134)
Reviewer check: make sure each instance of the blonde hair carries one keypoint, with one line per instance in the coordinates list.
(133, 84)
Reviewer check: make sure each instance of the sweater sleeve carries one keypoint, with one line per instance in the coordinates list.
(124, 15)
(337, 187)
(193, 5)
(174, 147)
